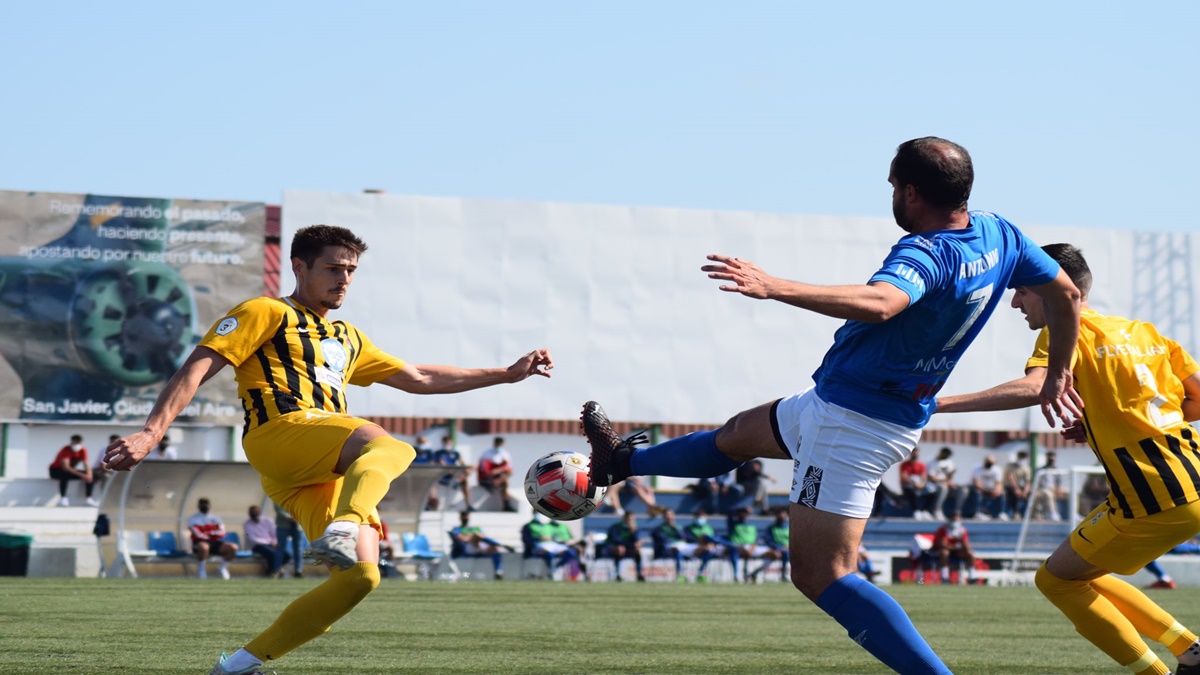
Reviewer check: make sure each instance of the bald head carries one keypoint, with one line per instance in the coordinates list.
(940, 170)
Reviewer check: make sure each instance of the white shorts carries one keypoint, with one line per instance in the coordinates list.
(840, 455)
(685, 548)
(551, 547)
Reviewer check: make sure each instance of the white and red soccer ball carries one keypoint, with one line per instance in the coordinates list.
(559, 487)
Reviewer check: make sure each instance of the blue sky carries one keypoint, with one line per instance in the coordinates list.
(1076, 113)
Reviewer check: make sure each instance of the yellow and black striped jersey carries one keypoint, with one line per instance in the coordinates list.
(1131, 382)
(289, 358)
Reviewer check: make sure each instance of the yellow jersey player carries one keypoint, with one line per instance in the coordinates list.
(1140, 390)
(328, 469)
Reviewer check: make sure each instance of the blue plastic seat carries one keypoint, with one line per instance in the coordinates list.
(164, 544)
(232, 537)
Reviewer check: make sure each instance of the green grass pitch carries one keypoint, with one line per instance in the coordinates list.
(175, 625)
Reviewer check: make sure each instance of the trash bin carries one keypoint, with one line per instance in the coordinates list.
(14, 554)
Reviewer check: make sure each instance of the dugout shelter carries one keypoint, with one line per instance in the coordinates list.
(159, 496)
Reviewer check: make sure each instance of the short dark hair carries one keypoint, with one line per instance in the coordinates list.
(1073, 263)
(309, 242)
(76, 438)
(939, 169)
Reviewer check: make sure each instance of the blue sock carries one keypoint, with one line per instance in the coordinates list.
(692, 456)
(876, 621)
(1154, 568)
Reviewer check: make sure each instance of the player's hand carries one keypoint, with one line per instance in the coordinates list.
(1059, 399)
(536, 362)
(1075, 432)
(125, 453)
(746, 277)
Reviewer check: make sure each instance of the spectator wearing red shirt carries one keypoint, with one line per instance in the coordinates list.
(951, 542)
(914, 485)
(208, 535)
(71, 463)
(494, 469)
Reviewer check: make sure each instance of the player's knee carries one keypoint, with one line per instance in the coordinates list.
(358, 581)
(394, 452)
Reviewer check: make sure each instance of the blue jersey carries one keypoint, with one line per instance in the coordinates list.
(892, 371)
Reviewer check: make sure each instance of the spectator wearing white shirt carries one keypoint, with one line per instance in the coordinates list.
(941, 480)
(987, 483)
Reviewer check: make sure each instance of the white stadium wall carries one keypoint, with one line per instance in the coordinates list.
(617, 294)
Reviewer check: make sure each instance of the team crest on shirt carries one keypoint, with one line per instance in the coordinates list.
(227, 325)
(335, 354)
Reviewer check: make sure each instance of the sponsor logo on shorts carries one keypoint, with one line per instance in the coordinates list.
(1081, 535)
(810, 488)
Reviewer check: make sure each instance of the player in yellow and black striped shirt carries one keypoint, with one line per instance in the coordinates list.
(328, 469)
(1139, 390)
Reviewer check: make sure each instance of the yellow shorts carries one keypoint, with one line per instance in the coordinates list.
(1126, 545)
(295, 455)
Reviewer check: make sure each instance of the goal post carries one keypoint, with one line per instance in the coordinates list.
(1058, 501)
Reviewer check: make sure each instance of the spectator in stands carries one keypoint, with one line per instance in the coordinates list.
(701, 533)
(942, 485)
(468, 541)
(208, 535)
(163, 451)
(628, 489)
(1092, 493)
(865, 566)
(671, 542)
(951, 544)
(914, 484)
(987, 485)
(884, 498)
(289, 533)
(777, 536)
(263, 540)
(387, 552)
(717, 491)
(423, 449)
(544, 538)
(448, 455)
(624, 542)
(71, 463)
(100, 473)
(1016, 485)
(752, 479)
(1051, 488)
(744, 545)
(493, 472)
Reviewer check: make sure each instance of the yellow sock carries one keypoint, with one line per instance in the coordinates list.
(314, 612)
(1146, 616)
(369, 477)
(1098, 620)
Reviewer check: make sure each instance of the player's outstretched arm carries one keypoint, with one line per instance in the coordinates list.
(1058, 397)
(1012, 395)
(435, 379)
(199, 367)
(870, 303)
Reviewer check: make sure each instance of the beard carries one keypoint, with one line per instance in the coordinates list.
(901, 216)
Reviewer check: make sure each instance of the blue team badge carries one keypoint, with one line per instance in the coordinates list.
(335, 354)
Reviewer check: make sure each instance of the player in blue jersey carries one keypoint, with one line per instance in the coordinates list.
(905, 330)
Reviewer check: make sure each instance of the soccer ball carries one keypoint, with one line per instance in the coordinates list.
(558, 486)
